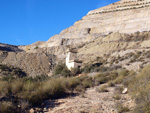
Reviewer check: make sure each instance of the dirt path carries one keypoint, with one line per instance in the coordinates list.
(89, 102)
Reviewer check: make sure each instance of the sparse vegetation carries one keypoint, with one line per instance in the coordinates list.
(27, 92)
(36, 47)
(61, 70)
(117, 97)
(7, 107)
(102, 89)
(91, 68)
(138, 85)
(121, 109)
(10, 72)
(111, 84)
(99, 67)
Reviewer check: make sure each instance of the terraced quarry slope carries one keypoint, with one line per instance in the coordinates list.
(125, 16)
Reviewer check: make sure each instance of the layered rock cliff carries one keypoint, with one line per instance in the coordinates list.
(118, 30)
(125, 16)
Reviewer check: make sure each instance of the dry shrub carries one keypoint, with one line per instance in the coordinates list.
(61, 69)
(102, 89)
(119, 80)
(24, 104)
(120, 108)
(4, 88)
(101, 78)
(118, 89)
(87, 82)
(117, 97)
(55, 87)
(131, 75)
(111, 84)
(121, 75)
(80, 88)
(72, 83)
(17, 86)
(113, 75)
(7, 107)
(139, 89)
(30, 86)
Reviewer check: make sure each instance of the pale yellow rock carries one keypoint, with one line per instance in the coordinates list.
(125, 16)
(145, 44)
(32, 110)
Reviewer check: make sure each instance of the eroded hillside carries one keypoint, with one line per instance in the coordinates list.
(104, 34)
(125, 16)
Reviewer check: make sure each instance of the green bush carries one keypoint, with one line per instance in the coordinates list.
(39, 78)
(101, 78)
(92, 68)
(62, 70)
(65, 72)
(58, 69)
(88, 69)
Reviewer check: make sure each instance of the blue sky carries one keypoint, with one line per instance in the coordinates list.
(24, 22)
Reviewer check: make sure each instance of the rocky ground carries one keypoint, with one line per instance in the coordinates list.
(89, 102)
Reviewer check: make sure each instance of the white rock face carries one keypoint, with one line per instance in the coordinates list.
(125, 16)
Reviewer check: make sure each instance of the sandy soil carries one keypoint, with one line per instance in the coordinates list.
(89, 102)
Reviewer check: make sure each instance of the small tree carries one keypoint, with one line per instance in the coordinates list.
(65, 72)
(58, 69)
(61, 69)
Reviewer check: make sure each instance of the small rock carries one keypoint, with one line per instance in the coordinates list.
(32, 110)
(125, 91)
(38, 109)
(45, 110)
